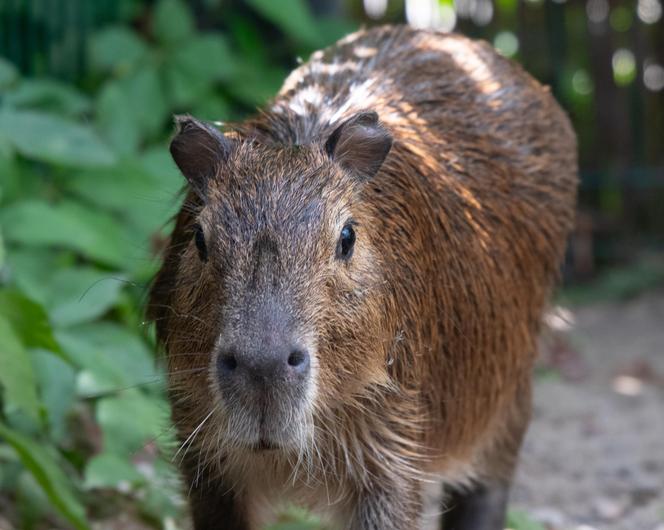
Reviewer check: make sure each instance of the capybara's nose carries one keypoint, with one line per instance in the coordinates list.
(279, 364)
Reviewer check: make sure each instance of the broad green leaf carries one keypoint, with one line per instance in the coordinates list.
(16, 374)
(91, 233)
(162, 500)
(256, 85)
(293, 17)
(81, 294)
(32, 503)
(212, 107)
(108, 470)
(295, 525)
(249, 39)
(196, 65)
(57, 388)
(147, 100)
(6, 146)
(42, 462)
(18, 179)
(332, 29)
(172, 22)
(144, 201)
(157, 162)
(2, 251)
(518, 520)
(48, 95)
(131, 420)
(506, 7)
(113, 358)
(8, 73)
(139, 102)
(50, 138)
(116, 49)
(28, 320)
(29, 270)
(116, 120)
(294, 518)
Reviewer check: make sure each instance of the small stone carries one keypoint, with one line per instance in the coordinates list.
(610, 509)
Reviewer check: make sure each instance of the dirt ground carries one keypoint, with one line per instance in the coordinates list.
(593, 458)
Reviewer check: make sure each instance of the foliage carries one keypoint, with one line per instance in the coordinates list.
(618, 284)
(86, 193)
(518, 520)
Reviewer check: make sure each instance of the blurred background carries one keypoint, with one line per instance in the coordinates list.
(87, 188)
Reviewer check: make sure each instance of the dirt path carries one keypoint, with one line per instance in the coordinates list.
(593, 458)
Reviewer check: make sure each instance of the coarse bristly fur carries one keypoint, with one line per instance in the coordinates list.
(422, 343)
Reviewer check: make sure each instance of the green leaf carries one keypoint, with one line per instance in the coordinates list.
(32, 503)
(116, 49)
(157, 162)
(48, 95)
(254, 85)
(507, 7)
(108, 470)
(142, 199)
(196, 65)
(172, 22)
(113, 358)
(163, 496)
(135, 107)
(82, 294)
(116, 120)
(293, 17)
(212, 107)
(57, 388)
(93, 234)
(29, 270)
(50, 138)
(16, 374)
(18, 179)
(332, 29)
(130, 421)
(28, 320)
(8, 73)
(295, 518)
(2, 251)
(42, 462)
(518, 520)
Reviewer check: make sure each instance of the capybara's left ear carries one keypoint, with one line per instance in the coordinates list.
(199, 149)
(360, 144)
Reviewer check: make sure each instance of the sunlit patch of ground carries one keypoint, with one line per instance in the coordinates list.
(594, 455)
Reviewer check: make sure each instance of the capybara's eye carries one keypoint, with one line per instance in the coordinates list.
(346, 242)
(199, 239)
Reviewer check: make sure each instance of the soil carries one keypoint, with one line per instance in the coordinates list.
(593, 458)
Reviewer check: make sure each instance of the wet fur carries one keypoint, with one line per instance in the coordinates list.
(425, 341)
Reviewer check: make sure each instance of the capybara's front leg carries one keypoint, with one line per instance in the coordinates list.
(388, 508)
(481, 508)
(216, 509)
(213, 503)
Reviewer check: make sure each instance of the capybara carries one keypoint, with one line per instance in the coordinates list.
(352, 294)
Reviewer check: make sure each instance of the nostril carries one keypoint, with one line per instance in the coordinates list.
(227, 363)
(298, 359)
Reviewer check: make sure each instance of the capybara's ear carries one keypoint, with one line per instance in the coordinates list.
(198, 149)
(360, 144)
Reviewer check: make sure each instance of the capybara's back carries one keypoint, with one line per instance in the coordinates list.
(394, 222)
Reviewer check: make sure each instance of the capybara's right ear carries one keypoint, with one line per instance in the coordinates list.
(360, 144)
(198, 149)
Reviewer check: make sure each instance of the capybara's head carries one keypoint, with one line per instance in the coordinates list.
(269, 301)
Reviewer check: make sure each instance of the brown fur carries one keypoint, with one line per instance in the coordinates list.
(425, 339)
